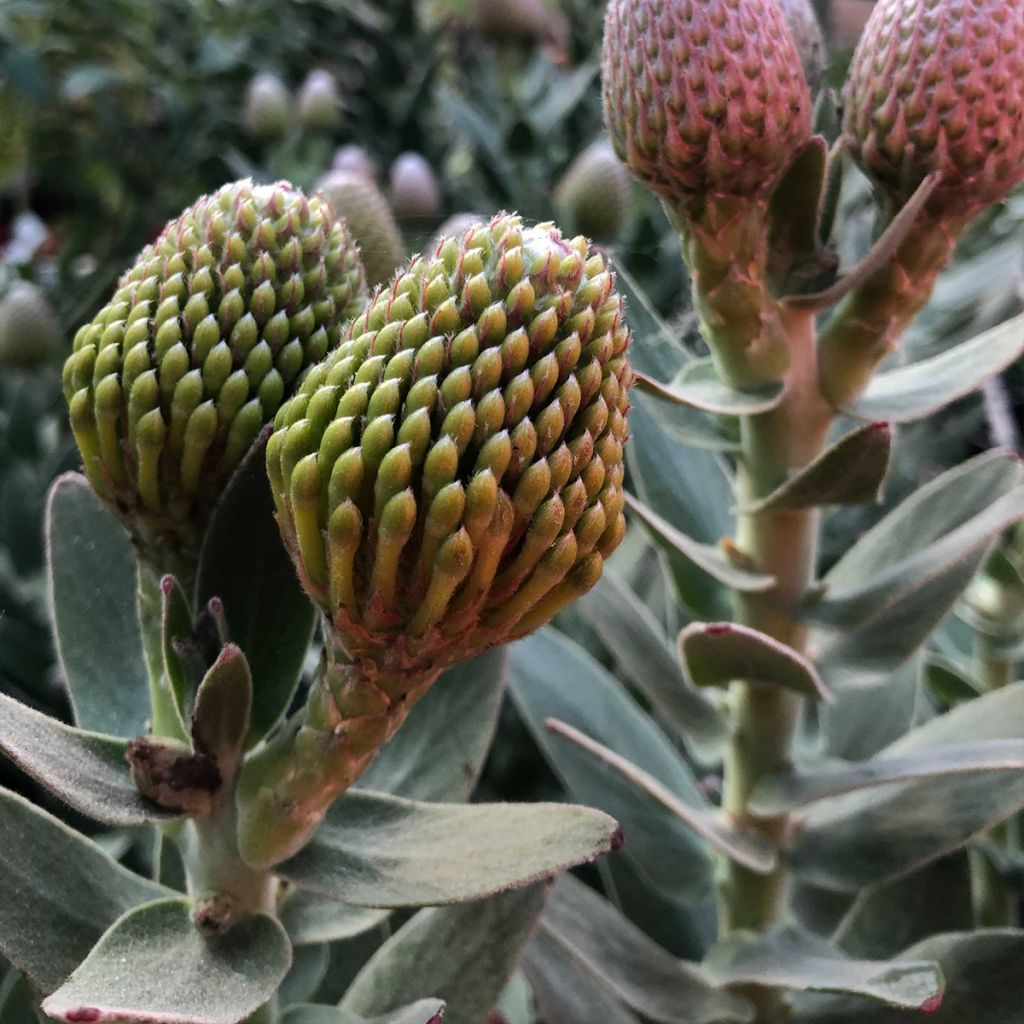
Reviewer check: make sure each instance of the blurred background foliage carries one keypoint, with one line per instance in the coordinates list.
(115, 114)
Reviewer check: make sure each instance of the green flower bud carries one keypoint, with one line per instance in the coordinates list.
(356, 159)
(267, 106)
(413, 190)
(170, 390)
(593, 195)
(29, 331)
(319, 102)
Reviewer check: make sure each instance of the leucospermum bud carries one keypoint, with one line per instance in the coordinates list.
(938, 85)
(703, 96)
(319, 102)
(810, 43)
(354, 158)
(267, 106)
(413, 189)
(208, 332)
(29, 331)
(453, 227)
(451, 475)
(593, 195)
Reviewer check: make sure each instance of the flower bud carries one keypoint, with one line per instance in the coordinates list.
(267, 106)
(810, 43)
(938, 85)
(319, 102)
(29, 331)
(522, 21)
(467, 535)
(455, 226)
(593, 195)
(358, 201)
(703, 96)
(356, 159)
(413, 190)
(210, 329)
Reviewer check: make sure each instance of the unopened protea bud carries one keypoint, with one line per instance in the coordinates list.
(593, 195)
(521, 21)
(703, 96)
(208, 332)
(319, 102)
(413, 189)
(810, 43)
(938, 85)
(29, 331)
(356, 159)
(446, 480)
(364, 209)
(267, 106)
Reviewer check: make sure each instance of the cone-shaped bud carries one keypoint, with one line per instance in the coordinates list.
(451, 475)
(520, 21)
(938, 85)
(413, 189)
(593, 195)
(319, 102)
(358, 201)
(207, 333)
(703, 96)
(29, 331)
(356, 159)
(453, 227)
(267, 106)
(810, 42)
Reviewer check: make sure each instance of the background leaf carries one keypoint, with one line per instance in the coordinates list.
(310, 918)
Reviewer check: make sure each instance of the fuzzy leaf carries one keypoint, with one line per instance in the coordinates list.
(309, 918)
(439, 752)
(849, 472)
(309, 966)
(616, 954)
(176, 624)
(16, 1002)
(548, 675)
(223, 709)
(382, 851)
(632, 635)
(790, 958)
(244, 563)
(915, 391)
(716, 653)
(698, 386)
(425, 1011)
(91, 572)
(86, 770)
(656, 350)
(984, 985)
(947, 682)
(465, 954)
(61, 892)
(154, 965)
(795, 202)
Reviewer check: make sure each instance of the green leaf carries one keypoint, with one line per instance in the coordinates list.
(552, 677)
(309, 918)
(716, 653)
(850, 472)
(176, 624)
(915, 391)
(748, 848)
(244, 563)
(632, 635)
(795, 202)
(698, 386)
(790, 958)
(91, 572)
(309, 965)
(86, 770)
(154, 965)
(516, 1002)
(947, 682)
(61, 892)
(223, 710)
(382, 851)
(709, 559)
(780, 794)
(655, 349)
(983, 985)
(16, 1002)
(439, 752)
(425, 1011)
(617, 955)
(464, 954)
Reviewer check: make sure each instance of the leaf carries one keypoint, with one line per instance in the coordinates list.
(781, 794)
(86, 770)
(615, 954)
(983, 985)
(16, 1002)
(716, 653)
(791, 958)
(223, 710)
(655, 348)
(711, 560)
(632, 635)
(464, 954)
(244, 563)
(552, 677)
(309, 965)
(947, 682)
(699, 386)
(154, 965)
(176, 624)
(915, 391)
(91, 572)
(439, 752)
(309, 918)
(383, 851)
(849, 472)
(425, 1011)
(60, 892)
(747, 848)
(795, 203)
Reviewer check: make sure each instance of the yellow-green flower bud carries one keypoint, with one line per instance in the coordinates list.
(319, 102)
(29, 331)
(267, 106)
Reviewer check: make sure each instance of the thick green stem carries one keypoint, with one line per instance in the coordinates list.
(782, 543)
